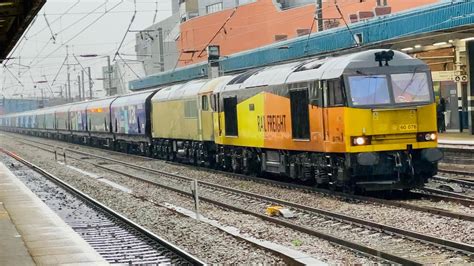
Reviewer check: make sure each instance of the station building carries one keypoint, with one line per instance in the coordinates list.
(255, 33)
(241, 25)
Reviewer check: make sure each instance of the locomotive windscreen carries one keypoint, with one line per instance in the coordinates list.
(410, 87)
(404, 88)
(369, 90)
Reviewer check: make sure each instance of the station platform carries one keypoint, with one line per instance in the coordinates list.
(32, 234)
(456, 139)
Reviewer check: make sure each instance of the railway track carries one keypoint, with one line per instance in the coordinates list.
(462, 190)
(458, 174)
(464, 183)
(443, 195)
(413, 195)
(458, 154)
(389, 243)
(117, 239)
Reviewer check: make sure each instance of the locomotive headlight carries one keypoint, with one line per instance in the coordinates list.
(359, 141)
(428, 136)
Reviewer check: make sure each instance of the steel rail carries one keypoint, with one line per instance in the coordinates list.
(456, 172)
(452, 245)
(457, 197)
(399, 204)
(339, 241)
(288, 259)
(369, 199)
(194, 260)
(459, 181)
(457, 246)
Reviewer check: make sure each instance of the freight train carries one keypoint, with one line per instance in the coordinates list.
(360, 121)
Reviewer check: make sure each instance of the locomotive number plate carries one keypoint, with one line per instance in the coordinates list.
(407, 127)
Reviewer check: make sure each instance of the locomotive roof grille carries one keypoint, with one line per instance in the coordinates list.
(308, 67)
(243, 77)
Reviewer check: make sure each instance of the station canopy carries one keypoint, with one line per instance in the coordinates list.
(15, 17)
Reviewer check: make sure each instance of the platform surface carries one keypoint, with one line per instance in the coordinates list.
(456, 139)
(31, 233)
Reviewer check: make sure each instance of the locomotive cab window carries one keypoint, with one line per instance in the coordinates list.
(411, 87)
(299, 113)
(369, 90)
(315, 98)
(335, 93)
(204, 103)
(214, 102)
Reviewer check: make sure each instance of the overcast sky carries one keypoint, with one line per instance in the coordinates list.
(87, 27)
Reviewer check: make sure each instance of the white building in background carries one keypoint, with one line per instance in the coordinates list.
(122, 73)
(156, 45)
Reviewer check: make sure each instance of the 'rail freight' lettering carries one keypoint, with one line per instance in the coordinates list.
(271, 123)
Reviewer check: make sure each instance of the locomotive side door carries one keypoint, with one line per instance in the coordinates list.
(333, 114)
(206, 125)
(299, 102)
(218, 111)
(316, 103)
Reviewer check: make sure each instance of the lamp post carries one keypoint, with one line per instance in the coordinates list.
(90, 82)
(42, 92)
(109, 70)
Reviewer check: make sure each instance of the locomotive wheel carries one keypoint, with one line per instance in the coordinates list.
(406, 191)
(349, 189)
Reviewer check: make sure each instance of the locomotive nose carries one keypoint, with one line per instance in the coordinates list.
(389, 121)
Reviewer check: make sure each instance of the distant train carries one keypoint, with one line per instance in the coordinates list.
(361, 121)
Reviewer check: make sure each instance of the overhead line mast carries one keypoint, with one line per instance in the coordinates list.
(68, 92)
(319, 14)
